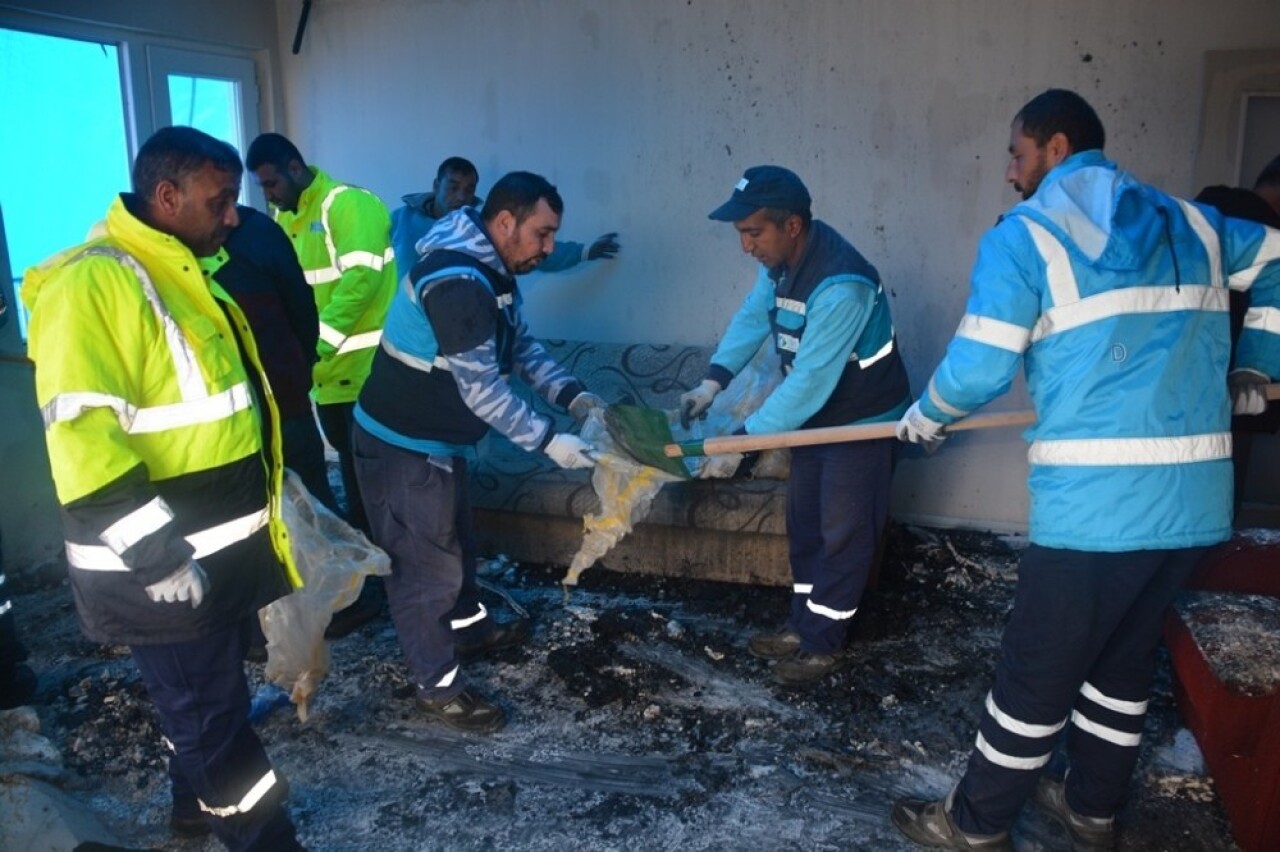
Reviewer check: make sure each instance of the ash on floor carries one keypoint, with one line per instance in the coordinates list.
(638, 721)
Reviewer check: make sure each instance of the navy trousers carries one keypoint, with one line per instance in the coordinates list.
(420, 510)
(837, 505)
(201, 695)
(336, 421)
(1078, 653)
(304, 455)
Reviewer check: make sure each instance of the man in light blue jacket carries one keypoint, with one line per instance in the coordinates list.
(455, 188)
(1114, 296)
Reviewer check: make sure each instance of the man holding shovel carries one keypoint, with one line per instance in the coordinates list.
(1115, 294)
(822, 304)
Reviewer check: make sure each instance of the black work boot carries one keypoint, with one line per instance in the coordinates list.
(502, 635)
(466, 711)
(774, 646)
(804, 667)
(930, 825)
(187, 820)
(1088, 834)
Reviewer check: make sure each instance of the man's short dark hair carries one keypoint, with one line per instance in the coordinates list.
(1269, 176)
(272, 149)
(779, 217)
(1062, 111)
(519, 193)
(461, 165)
(174, 153)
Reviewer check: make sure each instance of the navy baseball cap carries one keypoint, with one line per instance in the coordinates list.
(764, 186)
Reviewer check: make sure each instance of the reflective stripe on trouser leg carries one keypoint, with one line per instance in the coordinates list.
(837, 503)
(202, 698)
(414, 514)
(469, 614)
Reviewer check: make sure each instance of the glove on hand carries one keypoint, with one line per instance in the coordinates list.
(570, 451)
(604, 248)
(721, 466)
(694, 404)
(916, 428)
(582, 404)
(1248, 392)
(188, 583)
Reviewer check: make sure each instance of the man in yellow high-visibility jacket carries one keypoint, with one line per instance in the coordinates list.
(342, 235)
(164, 445)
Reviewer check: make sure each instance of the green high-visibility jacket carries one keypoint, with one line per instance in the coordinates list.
(155, 409)
(342, 234)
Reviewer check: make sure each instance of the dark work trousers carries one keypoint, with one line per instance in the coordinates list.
(1079, 652)
(336, 422)
(201, 695)
(837, 505)
(304, 455)
(12, 651)
(421, 514)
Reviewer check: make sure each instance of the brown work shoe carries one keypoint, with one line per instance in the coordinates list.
(774, 646)
(1088, 834)
(929, 824)
(467, 712)
(803, 667)
(500, 635)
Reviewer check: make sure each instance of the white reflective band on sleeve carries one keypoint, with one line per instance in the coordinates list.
(828, 612)
(1129, 708)
(364, 258)
(69, 406)
(137, 525)
(1102, 732)
(1268, 252)
(802, 588)
(364, 340)
(937, 400)
(5, 607)
(1008, 761)
(1015, 726)
(331, 335)
(788, 343)
(1131, 451)
(994, 332)
(883, 352)
(793, 305)
(251, 798)
(438, 363)
(1263, 319)
(220, 406)
(92, 557)
(1061, 277)
(1132, 300)
(447, 680)
(1208, 237)
(459, 623)
(323, 275)
(504, 300)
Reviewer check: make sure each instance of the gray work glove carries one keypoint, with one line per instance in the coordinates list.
(582, 404)
(916, 428)
(570, 451)
(604, 248)
(694, 404)
(188, 583)
(1248, 392)
(721, 466)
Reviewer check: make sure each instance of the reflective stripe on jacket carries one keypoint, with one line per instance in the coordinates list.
(342, 235)
(1114, 296)
(154, 434)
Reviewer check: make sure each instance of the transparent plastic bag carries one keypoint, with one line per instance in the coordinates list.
(333, 559)
(734, 405)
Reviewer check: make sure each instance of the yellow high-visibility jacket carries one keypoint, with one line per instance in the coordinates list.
(342, 235)
(156, 412)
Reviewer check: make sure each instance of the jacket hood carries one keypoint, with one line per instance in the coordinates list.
(417, 200)
(461, 231)
(1098, 211)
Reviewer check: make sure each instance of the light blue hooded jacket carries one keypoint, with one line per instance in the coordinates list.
(1115, 297)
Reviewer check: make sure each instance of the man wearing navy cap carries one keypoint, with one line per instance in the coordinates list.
(828, 316)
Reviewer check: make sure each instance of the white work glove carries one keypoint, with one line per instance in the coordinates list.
(188, 583)
(916, 428)
(570, 451)
(1248, 392)
(582, 404)
(694, 404)
(720, 466)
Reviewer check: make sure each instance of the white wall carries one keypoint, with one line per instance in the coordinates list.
(645, 112)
